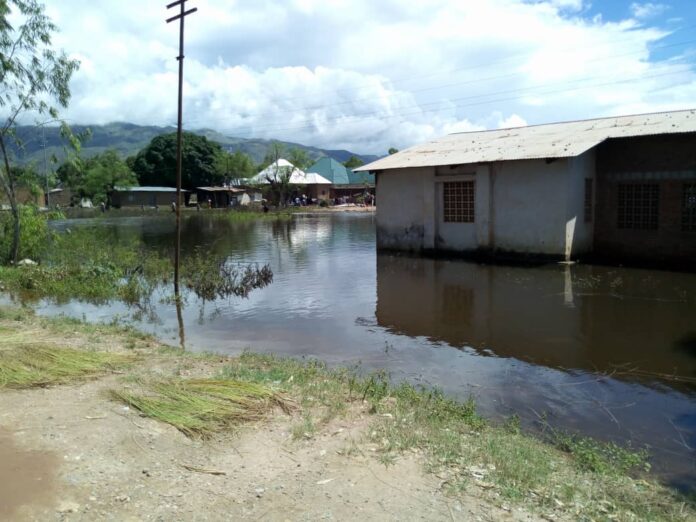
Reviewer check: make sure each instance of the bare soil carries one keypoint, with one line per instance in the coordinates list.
(70, 453)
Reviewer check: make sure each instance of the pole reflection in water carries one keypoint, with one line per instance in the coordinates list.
(180, 321)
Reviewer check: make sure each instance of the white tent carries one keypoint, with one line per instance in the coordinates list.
(297, 176)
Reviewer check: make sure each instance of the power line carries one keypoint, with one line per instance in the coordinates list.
(503, 60)
(528, 91)
(466, 82)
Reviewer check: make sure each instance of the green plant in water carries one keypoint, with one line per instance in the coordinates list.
(601, 457)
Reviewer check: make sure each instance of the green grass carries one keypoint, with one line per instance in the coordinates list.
(568, 475)
(32, 366)
(245, 215)
(200, 407)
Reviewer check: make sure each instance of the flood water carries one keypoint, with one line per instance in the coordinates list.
(608, 352)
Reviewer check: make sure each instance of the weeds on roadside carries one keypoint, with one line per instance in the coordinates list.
(574, 477)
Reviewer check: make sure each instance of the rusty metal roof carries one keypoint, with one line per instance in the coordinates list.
(220, 189)
(552, 140)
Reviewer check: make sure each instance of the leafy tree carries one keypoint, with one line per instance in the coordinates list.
(102, 174)
(278, 176)
(235, 165)
(392, 150)
(71, 172)
(33, 76)
(156, 163)
(354, 162)
(300, 158)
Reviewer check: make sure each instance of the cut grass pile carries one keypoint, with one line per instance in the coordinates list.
(35, 365)
(200, 407)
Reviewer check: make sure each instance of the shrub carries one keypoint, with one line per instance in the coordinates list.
(34, 233)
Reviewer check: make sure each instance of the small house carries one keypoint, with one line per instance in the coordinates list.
(145, 196)
(314, 185)
(344, 181)
(219, 197)
(622, 188)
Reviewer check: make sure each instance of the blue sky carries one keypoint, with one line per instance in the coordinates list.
(368, 75)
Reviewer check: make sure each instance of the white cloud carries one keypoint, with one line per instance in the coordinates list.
(364, 75)
(647, 10)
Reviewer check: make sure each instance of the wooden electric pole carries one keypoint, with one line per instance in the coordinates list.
(177, 249)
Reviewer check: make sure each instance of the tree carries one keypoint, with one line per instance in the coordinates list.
(300, 158)
(278, 176)
(33, 76)
(354, 162)
(392, 150)
(156, 163)
(235, 165)
(103, 173)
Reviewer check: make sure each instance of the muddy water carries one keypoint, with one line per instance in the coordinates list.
(608, 352)
(26, 477)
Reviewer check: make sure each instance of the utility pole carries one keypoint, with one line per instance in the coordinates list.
(177, 249)
(43, 135)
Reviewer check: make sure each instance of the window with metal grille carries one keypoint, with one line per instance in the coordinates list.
(639, 206)
(689, 207)
(458, 201)
(588, 200)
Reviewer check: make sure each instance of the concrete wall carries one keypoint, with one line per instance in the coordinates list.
(579, 233)
(523, 207)
(148, 199)
(670, 162)
(529, 206)
(404, 209)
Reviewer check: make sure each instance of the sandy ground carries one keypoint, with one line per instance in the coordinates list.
(70, 453)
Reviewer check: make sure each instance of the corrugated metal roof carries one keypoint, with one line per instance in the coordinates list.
(553, 140)
(220, 189)
(331, 169)
(147, 189)
(297, 176)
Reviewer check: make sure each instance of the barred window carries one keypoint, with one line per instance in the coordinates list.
(639, 206)
(689, 207)
(588, 200)
(458, 198)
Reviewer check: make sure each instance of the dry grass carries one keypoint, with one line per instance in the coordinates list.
(28, 366)
(200, 407)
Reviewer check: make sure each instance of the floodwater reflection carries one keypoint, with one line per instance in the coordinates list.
(631, 324)
(607, 352)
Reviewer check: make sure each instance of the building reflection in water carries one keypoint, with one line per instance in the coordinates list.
(632, 324)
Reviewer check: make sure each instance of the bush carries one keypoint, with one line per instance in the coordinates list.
(323, 203)
(34, 233)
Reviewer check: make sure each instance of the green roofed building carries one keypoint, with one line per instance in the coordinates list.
(344, 182)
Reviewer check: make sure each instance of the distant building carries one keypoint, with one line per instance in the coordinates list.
(622, 188)
(344, 181)
(220, 197)
(313, 185)
(24, 196)
(145, 196)
(60, 197)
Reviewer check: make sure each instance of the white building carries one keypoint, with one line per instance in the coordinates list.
(613, 186)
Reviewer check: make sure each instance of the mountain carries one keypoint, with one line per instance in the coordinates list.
(128, 139)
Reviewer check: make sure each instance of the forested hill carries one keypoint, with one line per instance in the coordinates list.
(128, 139)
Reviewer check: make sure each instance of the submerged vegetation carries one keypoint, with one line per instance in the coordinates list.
(84, 263)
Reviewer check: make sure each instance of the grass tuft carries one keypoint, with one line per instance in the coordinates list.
(200, 407)
(33, 366)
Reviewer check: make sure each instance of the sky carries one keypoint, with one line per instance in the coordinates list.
(368, 75)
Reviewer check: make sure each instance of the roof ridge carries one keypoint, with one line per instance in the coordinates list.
(574, 121)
